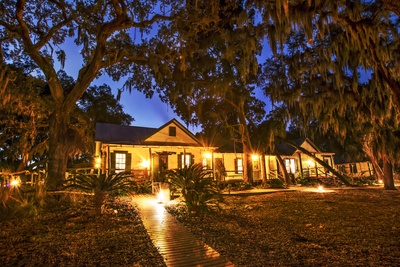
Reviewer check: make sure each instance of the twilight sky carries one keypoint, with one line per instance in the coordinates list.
(146, 112)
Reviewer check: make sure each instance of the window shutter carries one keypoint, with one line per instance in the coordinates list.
(236, 166)
(128, 163)
(112, 159)
(180, 161)
(191, 159)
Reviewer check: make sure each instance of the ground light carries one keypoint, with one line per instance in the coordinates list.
(15, 183)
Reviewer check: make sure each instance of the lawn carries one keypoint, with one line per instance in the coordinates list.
(344, 228)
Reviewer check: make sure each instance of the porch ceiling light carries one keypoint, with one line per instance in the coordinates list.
(207, 155)
(254, 157)
(145, 163)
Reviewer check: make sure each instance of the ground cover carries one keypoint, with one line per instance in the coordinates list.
(344, 228)
(72, 235)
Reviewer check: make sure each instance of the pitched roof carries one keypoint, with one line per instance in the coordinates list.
(135, 135)
(121, 134)
(288, 150)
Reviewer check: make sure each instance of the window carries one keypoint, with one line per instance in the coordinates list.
(353, 168)
(172, 131)
(185, 160)
(238, 166)
(290, 165)
(206, 163)
(120, 162)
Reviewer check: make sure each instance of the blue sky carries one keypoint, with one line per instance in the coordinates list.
(146, 112)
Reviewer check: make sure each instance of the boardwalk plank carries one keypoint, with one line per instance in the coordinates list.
(176, 244)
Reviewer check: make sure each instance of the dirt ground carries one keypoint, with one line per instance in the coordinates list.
(343, 228)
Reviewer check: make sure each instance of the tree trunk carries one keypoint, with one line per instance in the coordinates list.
(329, 168)
(283, 168)
(263, 169)
(245, 164)
(388, 181)
(58, 150)
(386, 175)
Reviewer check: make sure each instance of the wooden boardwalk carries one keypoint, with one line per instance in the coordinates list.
(176, 244)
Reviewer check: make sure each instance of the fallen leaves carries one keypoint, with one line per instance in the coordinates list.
(346, 228)
(75, 237)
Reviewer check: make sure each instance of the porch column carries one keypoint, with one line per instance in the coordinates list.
(97, 152)
(150, 166)
(263, 173)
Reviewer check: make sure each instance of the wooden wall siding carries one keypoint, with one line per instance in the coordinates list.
(163, 136)
(309, 147)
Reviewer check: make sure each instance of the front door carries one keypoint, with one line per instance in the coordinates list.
(163, 166)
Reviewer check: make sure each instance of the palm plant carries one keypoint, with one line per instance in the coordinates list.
(102, 186)
(197, 188)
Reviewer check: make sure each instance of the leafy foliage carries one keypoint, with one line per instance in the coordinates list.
(275, 183)
(102, 186)
(21, 201)
(196, 187)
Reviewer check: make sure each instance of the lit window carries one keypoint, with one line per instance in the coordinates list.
(120, 162)
(290, 165)
(185, 160)
(206, 163)
(238, 166)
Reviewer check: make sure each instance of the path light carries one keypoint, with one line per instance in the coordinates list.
(164, 194)
(160, 196)
(321, 188)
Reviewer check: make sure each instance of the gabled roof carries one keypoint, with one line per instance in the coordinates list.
(121, 134)
(288, 150)
(230, 147)
(134, 135)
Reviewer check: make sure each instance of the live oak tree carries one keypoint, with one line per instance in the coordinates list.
(337, 102)
(106, 33)
(100, 105)
(214, 75)
(131, 40)
(23, 121)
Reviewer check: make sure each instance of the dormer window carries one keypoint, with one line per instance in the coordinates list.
(172, 131)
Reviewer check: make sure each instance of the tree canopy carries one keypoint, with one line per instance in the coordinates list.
(197, 54)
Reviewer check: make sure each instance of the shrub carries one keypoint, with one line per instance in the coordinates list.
(196, 188)
(305, 181)
(102, 186)
(19, 202)
(275, 183)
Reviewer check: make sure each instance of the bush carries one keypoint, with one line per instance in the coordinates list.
(102, 186)
(197, 189)
(305, 181)
(275, 183)
(239, 186)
